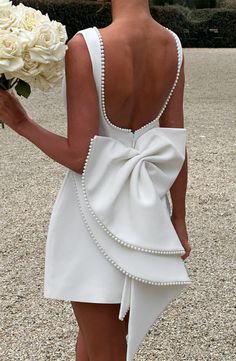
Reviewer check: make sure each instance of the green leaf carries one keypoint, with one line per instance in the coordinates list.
(4, 83)
(23, 88)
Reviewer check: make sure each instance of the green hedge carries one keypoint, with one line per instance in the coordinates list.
(196, 28)
(198, 4)
(216, 30)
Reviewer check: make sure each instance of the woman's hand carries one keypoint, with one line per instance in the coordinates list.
(181, 230)
(12, 112)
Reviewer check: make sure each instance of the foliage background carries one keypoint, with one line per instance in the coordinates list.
(207, 27)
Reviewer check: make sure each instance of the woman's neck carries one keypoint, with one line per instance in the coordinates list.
(126, 10)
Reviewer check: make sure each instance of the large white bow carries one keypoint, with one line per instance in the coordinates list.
(125, 188)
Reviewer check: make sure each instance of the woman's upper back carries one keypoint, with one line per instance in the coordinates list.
(140, 69)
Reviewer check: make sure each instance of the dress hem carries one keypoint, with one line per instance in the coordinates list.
(78, 299)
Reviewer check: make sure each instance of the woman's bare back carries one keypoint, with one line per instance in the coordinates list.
(140, 69)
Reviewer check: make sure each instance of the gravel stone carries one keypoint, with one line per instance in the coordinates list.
(200, 324)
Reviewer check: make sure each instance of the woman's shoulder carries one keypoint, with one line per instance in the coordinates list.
(79, 38)
(84, 30)
(170, 34)
(176, 35)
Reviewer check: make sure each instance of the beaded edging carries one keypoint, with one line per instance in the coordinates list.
(112, 235)
(111, 260)
(122, 319)
(103, 85)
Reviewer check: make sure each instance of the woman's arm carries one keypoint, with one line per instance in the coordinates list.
(173, 116)
(82, 112)
(178, 192)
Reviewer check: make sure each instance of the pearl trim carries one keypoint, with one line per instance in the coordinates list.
(122, 318)
(111, 260)
(103, 103)
(112, 235)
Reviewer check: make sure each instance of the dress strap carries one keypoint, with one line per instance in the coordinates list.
(94, 49)
(180, 60)
(179, 48)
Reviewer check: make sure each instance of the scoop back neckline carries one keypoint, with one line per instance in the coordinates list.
(102, 90)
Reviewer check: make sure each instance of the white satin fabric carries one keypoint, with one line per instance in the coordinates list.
(110, 237)
(122, 199)
(128, 192)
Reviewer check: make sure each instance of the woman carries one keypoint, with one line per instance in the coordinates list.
(113, 249)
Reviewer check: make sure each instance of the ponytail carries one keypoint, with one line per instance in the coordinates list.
(103, 3)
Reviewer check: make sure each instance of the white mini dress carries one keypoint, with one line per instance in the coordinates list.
(110, 237)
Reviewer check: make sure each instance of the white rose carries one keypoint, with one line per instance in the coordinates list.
(24, 40)
(4, 4)
(18, 13)
(10, 51)
(47, 46)
(60, 30)
(29, 18)
(29, 70)
(7, 16)
(49, 76)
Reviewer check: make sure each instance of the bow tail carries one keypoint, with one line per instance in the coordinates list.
(147, 303)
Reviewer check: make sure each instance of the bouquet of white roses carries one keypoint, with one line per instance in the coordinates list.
(32, 49)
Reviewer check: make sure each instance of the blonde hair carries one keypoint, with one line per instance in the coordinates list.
(103, 3)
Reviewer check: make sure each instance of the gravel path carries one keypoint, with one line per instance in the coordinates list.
(199, 324)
